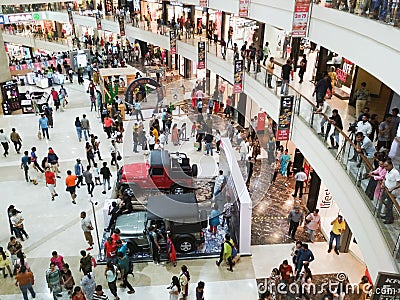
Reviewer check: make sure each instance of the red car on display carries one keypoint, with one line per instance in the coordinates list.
(164, 171)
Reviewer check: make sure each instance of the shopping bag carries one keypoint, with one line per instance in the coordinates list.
(39, 135)
(196, 145)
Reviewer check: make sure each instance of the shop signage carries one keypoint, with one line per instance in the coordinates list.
(172, 42)
(98, 21)
(201, 55)
(244, 8)
(2, 20)
(345, 72)
(203, 3)
(387, 287)
(307, 169)
(25, 17)
(327, 201)
(285, 118)
(121, 26)
(238, 76)
(300, 18)
(261, 119)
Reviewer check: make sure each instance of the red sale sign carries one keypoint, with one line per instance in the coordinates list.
(300, 18)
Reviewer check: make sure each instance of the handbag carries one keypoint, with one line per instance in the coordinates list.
(39, 135)
(119, 157)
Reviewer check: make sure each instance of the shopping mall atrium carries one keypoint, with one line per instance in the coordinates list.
(200, 149)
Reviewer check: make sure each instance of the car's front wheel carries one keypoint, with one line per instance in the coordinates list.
(185, 245)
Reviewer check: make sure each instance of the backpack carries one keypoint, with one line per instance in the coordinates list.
(234, 251)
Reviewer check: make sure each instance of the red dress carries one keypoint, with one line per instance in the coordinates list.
(171, 250)
(216, 107)
(194, 98)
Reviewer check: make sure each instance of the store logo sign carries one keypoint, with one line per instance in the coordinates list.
(36, 16)
(2, 21)
(20, 18)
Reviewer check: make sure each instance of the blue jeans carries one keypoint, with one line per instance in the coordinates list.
(106, 180)
(79, 133)
(24, 289)
(335, 237)
(45, 132)
(209, 148)
(86, 133)
(384, 8)
(285, 86)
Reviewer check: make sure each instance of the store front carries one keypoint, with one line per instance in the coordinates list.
(152, 8)
(277, 39)
(243, 30)
(18, 52)
(329, 210)
(215, 21)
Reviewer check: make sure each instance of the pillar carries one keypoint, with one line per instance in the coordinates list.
(295, 50)
(313, 192)
(241, 108)
(5, 74)
(345, 240)
(321, 63)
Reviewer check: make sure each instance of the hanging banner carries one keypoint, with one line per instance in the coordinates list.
(244, 8)
(300, 18)
(201, 53)
(203, 3)
(121, 26)
(238, 76)
(285, 118)
(345, 72)
(98, 21)
(70, 17)
(172, 42)
(261, 119)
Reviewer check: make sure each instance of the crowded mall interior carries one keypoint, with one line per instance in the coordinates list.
(199, 149)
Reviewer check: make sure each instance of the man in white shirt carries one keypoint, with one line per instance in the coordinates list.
(392, 184)
(313, 222)
(4, 142)
(219, 183)
(364, 145)
(244, 149)
(364, 125)
(300, 178)
(326, 110)
(87, 227)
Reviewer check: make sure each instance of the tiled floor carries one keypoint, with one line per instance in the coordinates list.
(55, 225)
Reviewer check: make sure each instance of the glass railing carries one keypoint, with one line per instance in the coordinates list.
(384, 11)
(39, 36)
(356, 165)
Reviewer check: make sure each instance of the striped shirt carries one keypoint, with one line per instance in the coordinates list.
(100, 297)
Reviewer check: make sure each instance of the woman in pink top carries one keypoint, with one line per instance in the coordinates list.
(313, 221)
(57, 259)
(378, 175)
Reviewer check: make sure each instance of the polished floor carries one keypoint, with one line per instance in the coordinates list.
(56, 225)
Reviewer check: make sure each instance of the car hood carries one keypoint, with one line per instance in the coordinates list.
(135, 171)
(131, 225)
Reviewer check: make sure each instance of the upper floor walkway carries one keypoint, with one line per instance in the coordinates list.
(342, 176)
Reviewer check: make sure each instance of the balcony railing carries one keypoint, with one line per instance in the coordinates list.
(384, 11)
(354, 163)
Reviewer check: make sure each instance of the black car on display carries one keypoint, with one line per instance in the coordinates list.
(177, 214)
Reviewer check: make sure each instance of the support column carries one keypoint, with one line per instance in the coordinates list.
(295, 51)
(313, 193)
(241, 108)
(5, 74)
